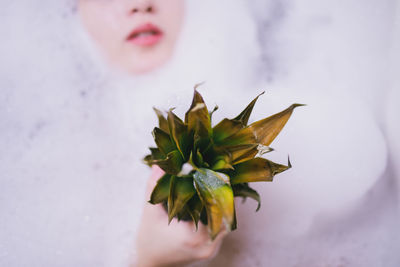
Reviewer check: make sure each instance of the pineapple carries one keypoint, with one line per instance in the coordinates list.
(206, 167)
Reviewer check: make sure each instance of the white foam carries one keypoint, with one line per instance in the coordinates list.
(73, 132)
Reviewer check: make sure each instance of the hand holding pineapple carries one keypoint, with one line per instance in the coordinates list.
(160, 244)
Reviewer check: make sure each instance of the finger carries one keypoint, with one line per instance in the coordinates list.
(216, 244)
(220, 237)
(203, 234)
(202, 230)
(156, 173)
(208, 249)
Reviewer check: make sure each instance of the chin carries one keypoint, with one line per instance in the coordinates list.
(145, 66)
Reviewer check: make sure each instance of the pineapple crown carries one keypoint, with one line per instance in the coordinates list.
(222, 160)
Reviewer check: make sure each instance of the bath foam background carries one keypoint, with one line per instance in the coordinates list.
(73, 131)
(337, 208)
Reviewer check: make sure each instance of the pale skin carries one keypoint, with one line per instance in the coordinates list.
(110, 22)
(137, 37)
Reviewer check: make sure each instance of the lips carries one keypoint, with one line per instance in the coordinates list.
(145, 35)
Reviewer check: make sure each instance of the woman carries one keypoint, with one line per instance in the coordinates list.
(56, 207)
(139, 37)
(75, 129)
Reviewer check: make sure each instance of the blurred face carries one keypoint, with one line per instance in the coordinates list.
(135, 35)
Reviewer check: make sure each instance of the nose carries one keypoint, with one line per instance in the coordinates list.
(144, 6)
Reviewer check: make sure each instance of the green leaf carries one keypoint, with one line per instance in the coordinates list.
(203, 217)
(196, 160)
(244, 116)
(256, 170)
(181, 190)
(243, 190)
(148, 160)
(179, 134)
(197, 104)
(267, 129)
(163, 141)
(228, 127)
(161, 190)
(199, 122)
(263, 131)
(172, 164)
(156, 154)
(162, 121)
(217, 196)
(198, 156)
(234, 223)
(239, 153)
(184, 214)
(224, 129)
(222, 164)
(195, 206)
(212, 111)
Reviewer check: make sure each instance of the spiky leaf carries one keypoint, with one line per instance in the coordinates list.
(161, 190)
(239, 153)
(195, 207)
(222, 163)
(212, 111)
(163, 141)
(256, 170)
(263, 131)
(199, 122)
(234, 223)
(224, 129)
(228, 127)
(162, 121)
(243, 190)
(181, 190)
(217, 196)
(156, 154)
(178, 132)
(172, 164)
(244, 116)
